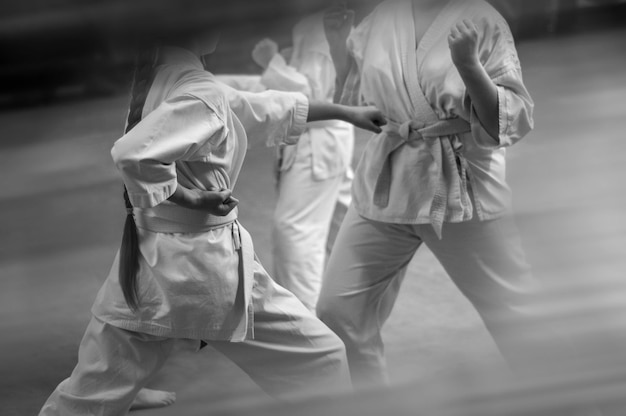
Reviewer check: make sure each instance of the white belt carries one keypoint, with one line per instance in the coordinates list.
(173, 219)
(450, 179)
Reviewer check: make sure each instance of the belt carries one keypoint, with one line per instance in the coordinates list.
(173, 219)
(448, 184)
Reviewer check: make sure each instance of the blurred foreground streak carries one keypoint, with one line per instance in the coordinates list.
(568, 178)
(580, 329)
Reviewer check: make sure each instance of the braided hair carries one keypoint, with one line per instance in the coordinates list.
(143, 78)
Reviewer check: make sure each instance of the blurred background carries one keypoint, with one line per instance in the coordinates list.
(54, 49)
(63, 99)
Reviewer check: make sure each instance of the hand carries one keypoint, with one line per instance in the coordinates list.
(338, 22)
(219, 203)
(287, 54)
(367, 118)
(264, 52)
(463, 41)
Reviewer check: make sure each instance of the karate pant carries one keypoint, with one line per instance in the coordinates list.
(365, 272)
(293, 354)
(305, 211)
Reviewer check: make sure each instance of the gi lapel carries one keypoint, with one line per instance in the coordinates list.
(451, 199)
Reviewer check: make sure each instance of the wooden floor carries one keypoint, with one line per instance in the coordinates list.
(62, 216)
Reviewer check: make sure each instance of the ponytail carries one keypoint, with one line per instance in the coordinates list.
(129, 251)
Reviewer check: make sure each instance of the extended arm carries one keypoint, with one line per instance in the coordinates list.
(367, 118)
(281, 117)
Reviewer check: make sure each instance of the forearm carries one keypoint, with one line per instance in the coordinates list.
(367, 118)
(184, 197)
(220, 203)
(483, 93)
(322, 111)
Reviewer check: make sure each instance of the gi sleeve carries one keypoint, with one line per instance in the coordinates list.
(281, 77)
(515, 105)
(251, 83)
(181, 129)
(273, 116)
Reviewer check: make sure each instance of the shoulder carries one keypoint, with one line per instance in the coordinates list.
(194, 100)
(203, 87)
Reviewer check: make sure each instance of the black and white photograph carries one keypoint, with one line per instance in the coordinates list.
(313, 208)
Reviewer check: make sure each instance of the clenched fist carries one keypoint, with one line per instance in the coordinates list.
(367, 118)
(463, 41)
(264, 52)
(219, 203)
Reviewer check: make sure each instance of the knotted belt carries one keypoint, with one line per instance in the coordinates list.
(446, 175)
(173, 219)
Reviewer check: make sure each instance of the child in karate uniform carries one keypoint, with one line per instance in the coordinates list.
(447, 76)
(315, 175)
(187, 269)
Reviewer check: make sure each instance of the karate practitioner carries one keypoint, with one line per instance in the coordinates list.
(187, 269)
(447, 76)
(315, 175)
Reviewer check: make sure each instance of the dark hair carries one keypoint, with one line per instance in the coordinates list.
(129, 251)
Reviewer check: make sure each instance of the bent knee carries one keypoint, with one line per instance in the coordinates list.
(334, 347)
(333, 313)
(284, 224)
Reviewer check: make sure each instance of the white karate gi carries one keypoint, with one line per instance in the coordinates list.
(198, 277)
(435, 176)
(315, 177)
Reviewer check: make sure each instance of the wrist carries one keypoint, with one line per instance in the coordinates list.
(194, 200)
(346, 113)
(468, 65)
(189, 198)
